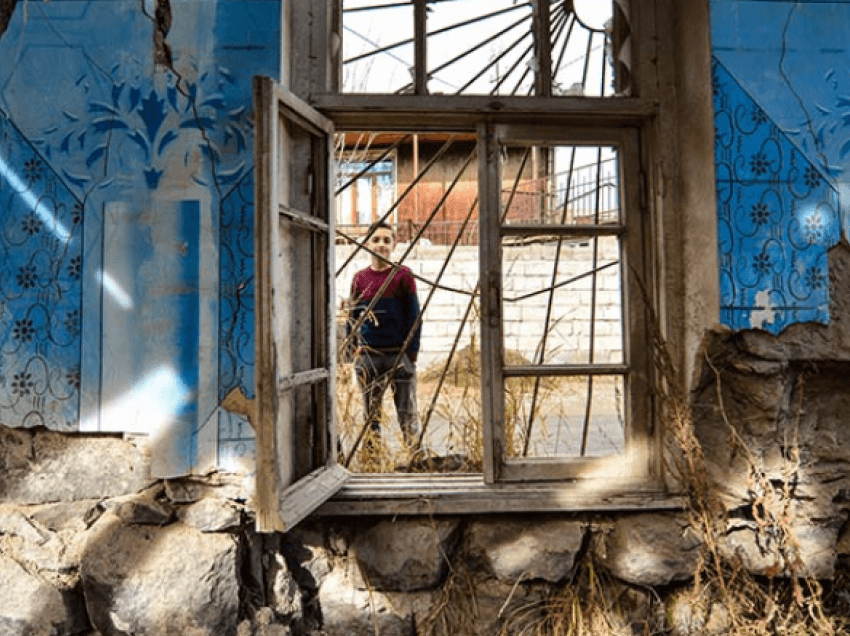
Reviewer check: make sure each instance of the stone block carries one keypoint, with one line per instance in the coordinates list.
(650, 549)
(211, 515)
(44, 467)
(511, 549)
(283, 592)
(815, 554)
(348, 609)
(307, 556)
(405, 555)
(30, 605)
(159, 580)
(73, 515)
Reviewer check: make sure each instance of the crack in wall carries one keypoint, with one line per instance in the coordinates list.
(809, 123)
(162, 25)
(162, 21)
(7, 8)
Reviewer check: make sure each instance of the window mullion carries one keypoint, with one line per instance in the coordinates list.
(490, 282)
(543, 50)
(420, 48)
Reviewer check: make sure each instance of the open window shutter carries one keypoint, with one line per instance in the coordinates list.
(296, 441)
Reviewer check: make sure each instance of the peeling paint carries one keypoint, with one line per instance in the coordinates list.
(764, 313)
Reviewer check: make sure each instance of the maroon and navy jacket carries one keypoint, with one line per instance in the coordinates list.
(393, 316)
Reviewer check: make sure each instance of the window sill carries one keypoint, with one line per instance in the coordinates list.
(468, 494)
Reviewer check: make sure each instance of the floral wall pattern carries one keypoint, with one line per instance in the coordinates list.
(236, 330)
(149, 294)
(781, 90)
(777, 217)
(40, 299)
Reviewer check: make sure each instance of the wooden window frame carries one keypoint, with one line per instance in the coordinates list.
(636, 250)
(294, 319)
(572, 485)
(668, 103)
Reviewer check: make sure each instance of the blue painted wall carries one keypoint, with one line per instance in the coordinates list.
(126, 211)
(126, 238)
(781, 84)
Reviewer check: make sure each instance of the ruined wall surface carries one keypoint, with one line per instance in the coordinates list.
(771, 393)
(91, 544)
(126, 216)
(771, 413)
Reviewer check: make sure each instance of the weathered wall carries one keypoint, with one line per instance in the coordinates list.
(90, 540)
(126, 192)
(779, 80)
(770, 412)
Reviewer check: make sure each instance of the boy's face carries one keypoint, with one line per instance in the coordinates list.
(382, 242)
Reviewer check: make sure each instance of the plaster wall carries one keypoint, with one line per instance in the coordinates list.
(127, 187)
(124, 204)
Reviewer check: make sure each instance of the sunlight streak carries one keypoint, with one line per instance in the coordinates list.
(115, 290)
(31, 201)
(150, 407)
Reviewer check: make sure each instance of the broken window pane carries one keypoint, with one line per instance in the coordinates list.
(487, 47)
(433, 210)
(565, 417)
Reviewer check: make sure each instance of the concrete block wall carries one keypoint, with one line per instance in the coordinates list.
(525, 269)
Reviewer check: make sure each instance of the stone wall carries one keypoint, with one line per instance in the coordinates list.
(90, 544)
(772, 418)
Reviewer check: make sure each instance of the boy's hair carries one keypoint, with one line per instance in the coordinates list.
(377, 225)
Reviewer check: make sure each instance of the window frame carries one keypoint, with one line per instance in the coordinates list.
(635, 256)
(669, 105)
(576, 485)
(294, 319)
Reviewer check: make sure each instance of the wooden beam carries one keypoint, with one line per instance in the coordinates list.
(302, 219)
(464, 112)
(566, 231)
(490, 257)
(531, 370)
(301, 379)
(300, 499)
(420, 47)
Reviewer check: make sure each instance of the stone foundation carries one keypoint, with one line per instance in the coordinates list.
(90, 544)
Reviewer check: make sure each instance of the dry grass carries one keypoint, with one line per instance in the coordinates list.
(722, 598)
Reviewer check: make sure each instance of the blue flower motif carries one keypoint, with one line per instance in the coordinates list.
(815, 278)
(72, 377)
(33, 169)
(760, 214)
(27, 276)
(23, 331)
(31, 224)
(22, 384)
(75, 267)
(759, 163)
(762, 263)
(814, 229)
(759, 116)
(811, 177)
(72, 321)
